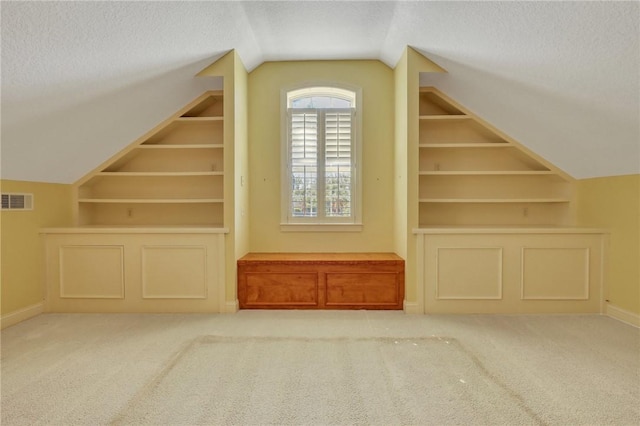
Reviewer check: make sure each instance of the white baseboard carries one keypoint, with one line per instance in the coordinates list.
(231, 307)
(623, 315)
(411, 308)
(21, 315)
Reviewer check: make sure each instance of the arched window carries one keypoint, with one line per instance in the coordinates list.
(321, 97)
(321, 154)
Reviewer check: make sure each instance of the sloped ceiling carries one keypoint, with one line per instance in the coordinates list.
(82, 80)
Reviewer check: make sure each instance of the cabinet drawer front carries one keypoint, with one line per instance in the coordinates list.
(362, 289)
(286, 289)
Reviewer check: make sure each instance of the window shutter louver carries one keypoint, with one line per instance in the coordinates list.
(338, 169)
(304, 163)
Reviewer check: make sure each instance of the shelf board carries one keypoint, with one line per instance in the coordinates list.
(506, 229)
(180, 146)
(139, 229)
(494, 200)
(466, 145)
(445, 117)
(151, 200)
(169, 174)
(486, 172)
(199, 119)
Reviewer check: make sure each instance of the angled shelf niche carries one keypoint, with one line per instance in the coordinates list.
(173, 176)
(471, 175)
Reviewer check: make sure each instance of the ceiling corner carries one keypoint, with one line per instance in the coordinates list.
(212, 70)
(424, 63)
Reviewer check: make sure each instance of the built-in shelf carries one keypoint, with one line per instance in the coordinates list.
(173, 176)
(507, 229)
(445, 117)
(185, 146)
(494, 200)
(466, 145)
(159, 174)
(471, 174)
(152, 200)
(486, 172)
(188, 119)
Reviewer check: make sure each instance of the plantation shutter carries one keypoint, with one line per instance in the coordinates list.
(304, 139)
(321, 165)
(338, 162)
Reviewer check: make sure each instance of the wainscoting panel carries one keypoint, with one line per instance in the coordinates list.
(174, 272)
(469, 273)
(510, 270)
(91, 271)
(555, 273)
(135, 270)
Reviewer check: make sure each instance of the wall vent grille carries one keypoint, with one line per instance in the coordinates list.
(17, 201)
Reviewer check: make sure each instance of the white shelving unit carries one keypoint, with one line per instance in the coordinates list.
(472, 175)
(173, 176)
(495, 229)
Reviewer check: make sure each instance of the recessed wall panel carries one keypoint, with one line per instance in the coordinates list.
(555, 273)
(174, 272)
(469, 273)
(91, 272)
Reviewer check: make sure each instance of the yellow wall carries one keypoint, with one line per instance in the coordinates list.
(614, 203)
(377, 83)
(22, 262)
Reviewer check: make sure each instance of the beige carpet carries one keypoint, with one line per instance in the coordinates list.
(320, 368)
(381, 381)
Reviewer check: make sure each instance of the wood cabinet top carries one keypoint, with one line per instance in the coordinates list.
(319, 257)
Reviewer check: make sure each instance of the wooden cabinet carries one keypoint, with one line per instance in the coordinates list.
(173, 176)
(471, 174)
(321, 281)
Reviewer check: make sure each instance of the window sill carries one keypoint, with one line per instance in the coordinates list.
(321, 227)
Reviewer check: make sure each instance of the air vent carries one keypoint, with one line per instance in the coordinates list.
(17, 201)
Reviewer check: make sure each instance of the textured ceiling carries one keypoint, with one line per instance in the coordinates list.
(82, 80)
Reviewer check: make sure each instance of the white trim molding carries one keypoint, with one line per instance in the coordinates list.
(623, 315)
(321, 227)
(319, 224)
(21, 315)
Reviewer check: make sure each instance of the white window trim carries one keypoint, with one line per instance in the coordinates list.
(306, 225)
